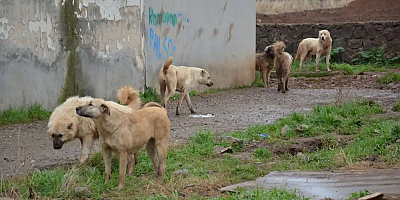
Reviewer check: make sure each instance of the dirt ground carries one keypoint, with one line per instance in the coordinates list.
(233, 110)
(356, 11)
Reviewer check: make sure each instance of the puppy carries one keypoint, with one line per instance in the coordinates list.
(265, 63)
(124, 131)
(181, 79)
(283, 64)
(315, 46)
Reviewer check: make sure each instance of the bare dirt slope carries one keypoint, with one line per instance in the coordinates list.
(233, 110)
(356, 11)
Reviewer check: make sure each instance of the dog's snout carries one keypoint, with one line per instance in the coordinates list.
(210, 84)
(57, 146)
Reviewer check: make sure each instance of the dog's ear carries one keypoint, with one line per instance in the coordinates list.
(203, 72)
(69, 127)
(105, 109)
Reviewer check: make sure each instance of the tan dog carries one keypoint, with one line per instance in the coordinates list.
(265, 63)
(65, 125)
(181, 79)
(283, 64)
(320, 46)
(124, 131)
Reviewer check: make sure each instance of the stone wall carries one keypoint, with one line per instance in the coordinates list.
(353, 37)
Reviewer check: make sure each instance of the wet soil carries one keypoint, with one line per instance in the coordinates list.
(356, 11)
(234, 109)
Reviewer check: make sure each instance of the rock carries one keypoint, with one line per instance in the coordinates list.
(389, 33)
(181, 172)
(398, 141)
(82, 192)
(233, 139)
(221, 150)
(302, 128)
(285, 129)
(301, 156)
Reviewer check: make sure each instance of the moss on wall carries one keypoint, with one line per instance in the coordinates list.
(69, 26)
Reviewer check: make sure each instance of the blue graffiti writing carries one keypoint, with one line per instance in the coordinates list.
(155, 43)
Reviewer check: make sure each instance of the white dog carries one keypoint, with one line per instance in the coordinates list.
(315, 46)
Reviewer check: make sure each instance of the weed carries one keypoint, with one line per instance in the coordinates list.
(150, 95)
(262, 153)
(389, 78)
(259, 194)
(375, 56)
(23, 115)
(396, 106)
(359, 194)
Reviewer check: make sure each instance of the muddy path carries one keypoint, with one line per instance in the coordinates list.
(234, 109)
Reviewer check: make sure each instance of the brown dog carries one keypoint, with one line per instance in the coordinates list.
(124, 131)
(65, 125)
(283, 64)
(265, 63)
(181, 79)
(320, 46)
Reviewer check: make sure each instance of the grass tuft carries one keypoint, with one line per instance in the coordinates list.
(23, 115)
(389, 78)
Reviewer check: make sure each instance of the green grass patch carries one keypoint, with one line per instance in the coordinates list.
(389, 78)
(396, 106)
(23, 115)
(207, 172)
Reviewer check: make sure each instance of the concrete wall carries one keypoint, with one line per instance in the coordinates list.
(34, 52)
(54, 48)
(353, 37)
(217, 35)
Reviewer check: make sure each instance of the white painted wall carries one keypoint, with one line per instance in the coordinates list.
(217, 35)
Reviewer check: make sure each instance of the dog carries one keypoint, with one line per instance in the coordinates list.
(315, 46)
(181, 79)
(65, 125)
(265, 63)
(283, 64)
(124, 131)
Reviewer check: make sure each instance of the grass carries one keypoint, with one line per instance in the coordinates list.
(389, 78)
(396, 106)
(23, 115)
(208, 172)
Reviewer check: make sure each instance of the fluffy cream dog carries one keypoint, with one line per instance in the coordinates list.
(265, 63)
(320, 46)
(124, 131)
(283, 64)
(65, 125)
(181, 79)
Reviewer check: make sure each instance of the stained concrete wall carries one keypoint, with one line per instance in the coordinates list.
(353, 37)
(33, 61)
(217, 35)
(117, 43)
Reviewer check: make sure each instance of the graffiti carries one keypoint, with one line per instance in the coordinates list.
(167, 18)
(163, 46)
(155, 43)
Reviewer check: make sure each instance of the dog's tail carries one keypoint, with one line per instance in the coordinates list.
(279, 48)
(127, 95)
(166, 65)
(152, 104)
